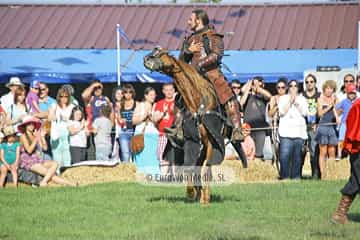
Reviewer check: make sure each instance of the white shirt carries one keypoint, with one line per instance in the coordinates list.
(63, 114)
(7, 100)
(292, 124)
(78, 139)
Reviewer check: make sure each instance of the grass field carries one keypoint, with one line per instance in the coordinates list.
(287, 210)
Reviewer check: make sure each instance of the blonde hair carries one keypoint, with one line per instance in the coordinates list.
(329, 84)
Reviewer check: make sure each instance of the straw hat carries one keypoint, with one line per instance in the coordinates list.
(14, 81)
(27, 120)
(8, 131)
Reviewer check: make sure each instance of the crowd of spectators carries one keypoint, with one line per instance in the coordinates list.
(44, 135)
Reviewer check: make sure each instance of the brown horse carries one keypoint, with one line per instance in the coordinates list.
(199, 98)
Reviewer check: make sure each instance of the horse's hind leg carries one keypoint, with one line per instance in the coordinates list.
(206, 173)
(206, 178)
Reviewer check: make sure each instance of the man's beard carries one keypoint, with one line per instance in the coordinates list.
(194, 28)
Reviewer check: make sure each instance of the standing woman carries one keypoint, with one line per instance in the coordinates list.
(125, 120)
(146, 160)
(273, 115)
(59, 115)
(293, 109)
(326, 135)
(17, 110)
(117, 98)
(33, 141)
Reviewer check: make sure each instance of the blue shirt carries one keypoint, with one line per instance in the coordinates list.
(44, 106)
(9, 151)
(345, 105)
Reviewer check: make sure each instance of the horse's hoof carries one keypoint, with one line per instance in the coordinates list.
(191, 193)
(205, 197)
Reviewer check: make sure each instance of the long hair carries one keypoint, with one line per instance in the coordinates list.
(60, 93)
(202, 15)
(76, 108)
(18, 92)
(147, 91)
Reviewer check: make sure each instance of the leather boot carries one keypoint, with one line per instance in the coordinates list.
(232, 111)
(340, 215)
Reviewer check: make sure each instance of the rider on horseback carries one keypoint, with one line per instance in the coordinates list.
(204, 49)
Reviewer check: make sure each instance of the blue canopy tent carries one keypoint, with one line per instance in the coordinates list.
(81, 66)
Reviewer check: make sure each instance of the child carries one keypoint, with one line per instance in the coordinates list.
(9, 156)
(248, 144)
(78, 135)
(32, 99)
(102, 129)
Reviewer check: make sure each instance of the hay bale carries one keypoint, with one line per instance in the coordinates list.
(85, 175)
(337, 170)
(257, 171)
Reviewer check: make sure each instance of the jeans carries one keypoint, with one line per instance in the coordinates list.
(259, 139)
(314, 154)
(103, 152)
(290, 157)
(124, 142)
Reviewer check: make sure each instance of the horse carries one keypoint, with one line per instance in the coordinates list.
(200, 100)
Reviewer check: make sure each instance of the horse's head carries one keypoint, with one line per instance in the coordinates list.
(158, 60)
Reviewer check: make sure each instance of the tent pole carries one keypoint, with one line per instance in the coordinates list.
(118, 54)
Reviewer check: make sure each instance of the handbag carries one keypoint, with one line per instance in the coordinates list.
(137, 141)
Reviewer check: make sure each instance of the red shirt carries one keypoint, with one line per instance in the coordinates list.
(1, 109)
(352, 135)
(169, 117)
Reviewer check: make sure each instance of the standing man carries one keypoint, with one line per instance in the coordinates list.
(351, 145)
(204, 49)
(253, 102)
(94, 100)
(164, 117)
(312, 94)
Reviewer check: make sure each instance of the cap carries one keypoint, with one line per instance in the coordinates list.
(350, 88)
(35, 84)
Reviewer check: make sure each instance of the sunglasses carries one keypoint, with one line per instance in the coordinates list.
(280, 87)
(349, 81)
(236, 87)
(127, 92)
(307, 82)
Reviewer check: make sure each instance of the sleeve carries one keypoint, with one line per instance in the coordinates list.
(95, 124)
(340, 105)
(304, 107)
(214, 47)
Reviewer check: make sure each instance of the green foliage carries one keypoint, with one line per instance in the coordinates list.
(296, 210)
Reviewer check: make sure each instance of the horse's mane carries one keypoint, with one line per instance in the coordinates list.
(198, 84)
